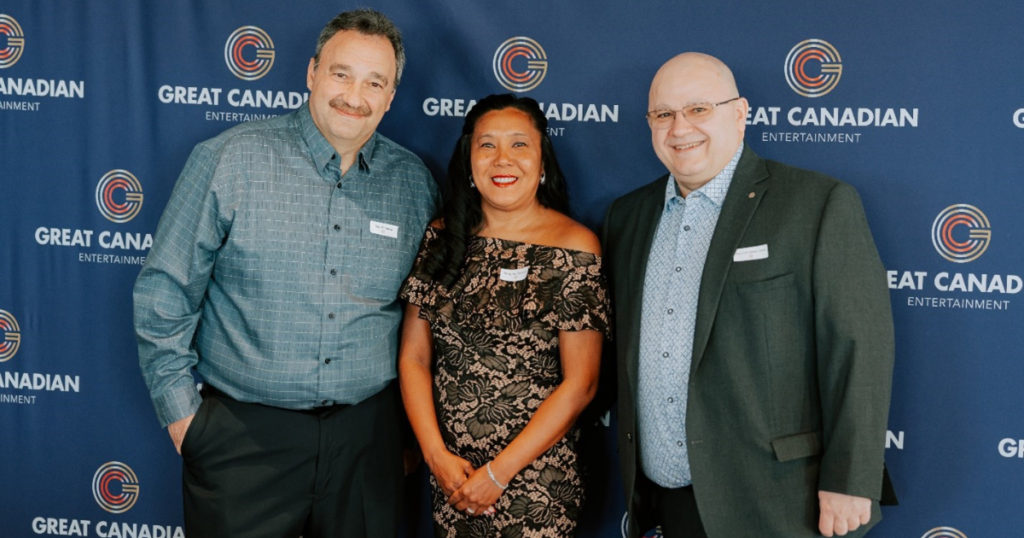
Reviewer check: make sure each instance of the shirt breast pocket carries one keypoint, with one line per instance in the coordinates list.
(385, 253)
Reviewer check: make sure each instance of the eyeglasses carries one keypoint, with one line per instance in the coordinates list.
(695, 113)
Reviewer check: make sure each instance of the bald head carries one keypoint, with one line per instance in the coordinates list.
(698, 64)
(695, 150)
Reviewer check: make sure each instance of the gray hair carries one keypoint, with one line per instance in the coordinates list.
(367, 22)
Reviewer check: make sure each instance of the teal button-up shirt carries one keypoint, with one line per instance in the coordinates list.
(276, 276)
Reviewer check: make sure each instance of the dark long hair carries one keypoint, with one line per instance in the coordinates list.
(461, 211)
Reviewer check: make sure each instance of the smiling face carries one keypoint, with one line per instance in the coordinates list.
(351, 88)
(695, 154)
(506, 159)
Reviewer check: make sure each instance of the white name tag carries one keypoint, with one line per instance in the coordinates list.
(387, 230)
(747, 254)
(515, 275)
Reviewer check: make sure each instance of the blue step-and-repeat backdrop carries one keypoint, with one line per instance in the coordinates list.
(917, 103)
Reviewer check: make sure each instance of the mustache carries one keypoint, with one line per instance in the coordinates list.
(341, 105)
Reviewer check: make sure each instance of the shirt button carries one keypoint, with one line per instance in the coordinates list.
(327, 361)
(335, 156)
(337, 227)
(670, 310)
(331, 315)
(679, 443)
(334, 272)
(670, 399)
(665, 354)
(339, 184)
(686, 228)
(679, 269)
(323, 402)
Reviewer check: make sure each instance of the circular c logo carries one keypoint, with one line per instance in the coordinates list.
(1018, 118)
(536, 64)
(817, 51)
(234, 53)
(979, 233)
(104, 491)
(944, 532)
(119, 180)
(10, 54)
(12, 336)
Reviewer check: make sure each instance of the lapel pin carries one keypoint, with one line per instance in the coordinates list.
(751, 195)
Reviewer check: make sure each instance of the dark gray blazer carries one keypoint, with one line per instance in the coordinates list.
(792, 354)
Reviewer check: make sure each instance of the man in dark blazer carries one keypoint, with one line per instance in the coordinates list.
(754, 332)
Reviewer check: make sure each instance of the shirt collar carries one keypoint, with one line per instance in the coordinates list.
(322, 151)
(713, 190)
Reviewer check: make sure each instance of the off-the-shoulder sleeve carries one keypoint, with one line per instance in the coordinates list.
(583, 302)
(419, 289)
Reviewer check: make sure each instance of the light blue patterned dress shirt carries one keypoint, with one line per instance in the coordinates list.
(276, 276)
(671, 287)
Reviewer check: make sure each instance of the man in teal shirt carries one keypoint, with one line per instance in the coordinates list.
(274, 273)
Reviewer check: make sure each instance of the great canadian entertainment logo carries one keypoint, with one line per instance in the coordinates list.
(520, 64)
(119, 198)
(241, 64)
(513, 77)
(116, 489)
(10, 343)
(249, 55)
(960, 234)
(812, 69)
(12, 46)
(12, 336)
(117, 182)
(15, 37)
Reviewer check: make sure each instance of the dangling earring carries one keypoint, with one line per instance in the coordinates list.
(471, 184)
(542, 178)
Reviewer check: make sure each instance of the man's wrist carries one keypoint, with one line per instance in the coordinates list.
(177, 403)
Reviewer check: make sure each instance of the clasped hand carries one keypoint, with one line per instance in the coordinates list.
(468, 490)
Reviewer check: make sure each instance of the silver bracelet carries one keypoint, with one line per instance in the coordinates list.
(490, 473)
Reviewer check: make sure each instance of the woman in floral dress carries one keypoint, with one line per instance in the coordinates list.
(501, 343)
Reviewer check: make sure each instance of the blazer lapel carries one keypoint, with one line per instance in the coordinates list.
(745, 193)
(646, 220)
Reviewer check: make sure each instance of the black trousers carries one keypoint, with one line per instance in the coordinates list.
(253, 471)
(676, 512)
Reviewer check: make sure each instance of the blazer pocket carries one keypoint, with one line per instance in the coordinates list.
(801, 445)
(758, 286)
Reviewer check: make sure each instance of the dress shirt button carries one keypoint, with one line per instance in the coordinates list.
(334, 272)
(339, 184)
(331, 315)
(670, 310)
(665, 354)
(335, 156)
(327, 361)
(323, 402)
(670, 399)
(337, 227)
(686, 228)
(679, 443)
(679, 269)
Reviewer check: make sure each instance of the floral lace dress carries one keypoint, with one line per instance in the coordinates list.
(495, 361)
